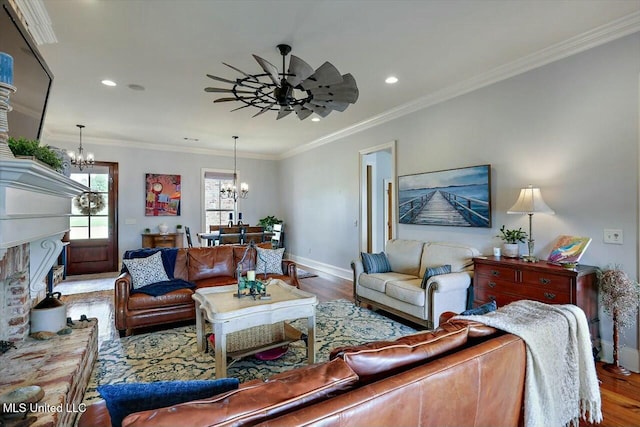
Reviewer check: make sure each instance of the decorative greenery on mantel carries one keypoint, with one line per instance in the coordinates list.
(32, 148)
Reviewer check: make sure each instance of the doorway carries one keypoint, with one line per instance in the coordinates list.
(377, 196)
(93, 233)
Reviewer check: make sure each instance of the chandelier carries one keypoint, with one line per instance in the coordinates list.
(231, 191)
(79, 159)
(299, 89)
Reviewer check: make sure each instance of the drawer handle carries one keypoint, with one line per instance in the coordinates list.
(495, 272)
(545, 281)
(549, 295)
(492, 284)
(492, 298)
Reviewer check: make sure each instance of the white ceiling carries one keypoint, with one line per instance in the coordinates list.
(433, 47)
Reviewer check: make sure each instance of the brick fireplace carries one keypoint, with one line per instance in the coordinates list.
(34, 215)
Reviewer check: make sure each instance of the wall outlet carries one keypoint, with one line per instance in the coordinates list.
(613, 236)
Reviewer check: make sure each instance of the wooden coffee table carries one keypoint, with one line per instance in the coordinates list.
(228, 313)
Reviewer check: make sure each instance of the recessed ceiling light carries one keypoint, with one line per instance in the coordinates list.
(391, 80)
(135, 87)
(186, 138)
(108, 83)
(315, 119)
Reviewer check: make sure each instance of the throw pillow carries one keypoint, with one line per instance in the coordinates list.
(269, 260)
(435, 271)
(483, 309)
(126, 398)
(375, 263)
(145, 271)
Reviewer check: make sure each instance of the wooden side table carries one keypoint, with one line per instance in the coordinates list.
(505, 280)
(157, 240)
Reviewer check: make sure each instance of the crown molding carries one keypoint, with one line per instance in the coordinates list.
(624, 26)
(53, 139)
(36, 18)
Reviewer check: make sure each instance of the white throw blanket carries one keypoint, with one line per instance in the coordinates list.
(561, 384)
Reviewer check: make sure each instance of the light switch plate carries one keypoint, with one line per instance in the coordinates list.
(613, 236)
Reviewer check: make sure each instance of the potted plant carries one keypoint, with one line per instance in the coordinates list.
(147, 230)
(268, 222)
(23, 147)
(620, 298)
(179, 228)
(511, 239)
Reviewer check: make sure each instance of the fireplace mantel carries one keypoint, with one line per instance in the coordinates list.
(34, 202)
(34, 215)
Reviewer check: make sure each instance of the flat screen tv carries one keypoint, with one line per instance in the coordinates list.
(31, 76)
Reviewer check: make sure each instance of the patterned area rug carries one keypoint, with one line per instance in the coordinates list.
(172, 354)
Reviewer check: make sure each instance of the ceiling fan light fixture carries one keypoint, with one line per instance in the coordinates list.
(299, 89)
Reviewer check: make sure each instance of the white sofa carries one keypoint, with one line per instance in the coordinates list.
(400, 291)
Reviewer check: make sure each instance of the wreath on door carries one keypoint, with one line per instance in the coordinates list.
(89, 203)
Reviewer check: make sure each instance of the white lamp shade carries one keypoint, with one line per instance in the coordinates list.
(530, 201)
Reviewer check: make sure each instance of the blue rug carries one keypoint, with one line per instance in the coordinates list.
(172, 354)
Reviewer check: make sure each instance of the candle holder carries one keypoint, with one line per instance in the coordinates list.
(248, 286)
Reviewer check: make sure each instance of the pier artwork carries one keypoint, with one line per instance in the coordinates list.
(456, 197)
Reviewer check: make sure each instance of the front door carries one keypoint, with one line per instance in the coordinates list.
(93, 233)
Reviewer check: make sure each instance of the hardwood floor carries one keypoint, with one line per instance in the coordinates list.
(620, 395)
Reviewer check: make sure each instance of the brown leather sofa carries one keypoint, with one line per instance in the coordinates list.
(461, 374)
(205, 266)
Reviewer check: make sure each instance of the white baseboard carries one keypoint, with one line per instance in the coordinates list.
(628, 357)
(342, 273)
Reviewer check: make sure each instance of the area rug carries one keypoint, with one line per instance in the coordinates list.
(173, 355)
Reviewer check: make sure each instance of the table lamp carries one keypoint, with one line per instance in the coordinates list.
(530, 201)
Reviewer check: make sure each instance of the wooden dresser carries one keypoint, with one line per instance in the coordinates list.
(157, 240)
(510, 279)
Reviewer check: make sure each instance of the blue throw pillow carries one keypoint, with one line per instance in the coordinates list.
(483, 309)
(435, 271)
(126, 398)
(375, 263)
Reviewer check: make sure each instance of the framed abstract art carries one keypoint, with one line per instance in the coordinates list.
(162, 197)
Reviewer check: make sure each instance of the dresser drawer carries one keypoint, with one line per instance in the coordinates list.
(493, 285)
(503, 295)
(496, 272)
(547, 280)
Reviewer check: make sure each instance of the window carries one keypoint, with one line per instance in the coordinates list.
(217, 208)
(90, 211)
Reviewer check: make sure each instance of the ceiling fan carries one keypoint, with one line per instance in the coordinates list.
(300, 89)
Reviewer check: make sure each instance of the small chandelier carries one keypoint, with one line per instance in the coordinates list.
(231, 191)
(78, 159)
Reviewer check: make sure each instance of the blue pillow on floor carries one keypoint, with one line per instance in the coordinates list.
(483, 309)
(126, 398)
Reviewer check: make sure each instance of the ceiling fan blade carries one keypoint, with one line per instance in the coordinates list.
(221, 79)
(233, 99)
(334, 105)
(264, 110)
(347, 91)
(240, 71)
(326, 75)
(240, 108)
(350, 96)
(322, 111)
(284, 111)
(300, 69)
(270, 69)
(217, 89)
(302, 112)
